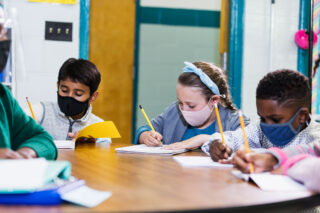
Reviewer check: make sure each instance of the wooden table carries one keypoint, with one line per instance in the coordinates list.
(141, 183)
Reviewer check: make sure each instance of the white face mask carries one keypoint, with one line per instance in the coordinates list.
(197, 118)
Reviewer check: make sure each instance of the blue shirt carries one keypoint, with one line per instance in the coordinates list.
(172, 126)
(192, 131)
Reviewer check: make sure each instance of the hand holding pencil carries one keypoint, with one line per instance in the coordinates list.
(219, 151)
(150, 138)
(245, 139)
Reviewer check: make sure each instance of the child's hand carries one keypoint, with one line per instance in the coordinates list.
(277, 171)
(150, 138)
(219, 151)
(27, 153)
(262, 162)
(9, 154)
(191, 143)
(22, 153)
(72, 135)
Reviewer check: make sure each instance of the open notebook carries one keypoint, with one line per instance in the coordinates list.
(21, 176)
(272, 182)
(143, 149)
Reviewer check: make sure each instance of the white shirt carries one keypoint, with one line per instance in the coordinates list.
(256, 138)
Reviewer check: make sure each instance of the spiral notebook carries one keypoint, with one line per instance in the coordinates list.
(143, 149)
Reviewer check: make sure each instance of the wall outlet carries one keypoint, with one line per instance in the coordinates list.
(58, 31)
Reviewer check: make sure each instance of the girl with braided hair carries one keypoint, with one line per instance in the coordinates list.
(189, 122)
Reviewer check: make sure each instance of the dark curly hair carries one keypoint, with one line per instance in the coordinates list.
(283, 85)
(217, 75)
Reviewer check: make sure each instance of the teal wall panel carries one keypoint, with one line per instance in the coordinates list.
(162, 51)
(179, 17)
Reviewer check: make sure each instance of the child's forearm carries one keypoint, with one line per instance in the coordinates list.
(283, 154)
(307, 171)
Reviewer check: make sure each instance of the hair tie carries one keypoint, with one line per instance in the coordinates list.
(203, 77)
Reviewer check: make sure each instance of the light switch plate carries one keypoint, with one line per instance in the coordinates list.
(58, 31)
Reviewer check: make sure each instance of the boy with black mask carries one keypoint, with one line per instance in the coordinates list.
(78, 81)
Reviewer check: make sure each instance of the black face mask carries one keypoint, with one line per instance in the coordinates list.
(70, 106)
(4, 53)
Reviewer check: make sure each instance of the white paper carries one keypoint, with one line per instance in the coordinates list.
(271, 182)
(198, 161)
(240, 175)
(143, 149)
(22, 175)
(64, 144)
(86, 196)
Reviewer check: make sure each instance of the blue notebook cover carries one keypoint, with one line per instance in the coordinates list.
(50, 195)
(46, 197)
(57, 180)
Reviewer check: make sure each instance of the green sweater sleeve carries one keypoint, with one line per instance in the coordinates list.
(24, 132)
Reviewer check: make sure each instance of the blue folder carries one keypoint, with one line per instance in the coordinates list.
(48, 196)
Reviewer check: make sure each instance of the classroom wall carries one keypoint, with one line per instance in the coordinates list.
(111, 48)
(41, 59)
(163, 47)
(268, 44)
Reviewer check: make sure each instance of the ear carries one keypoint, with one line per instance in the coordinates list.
(303, 115)
(58, 85)
(94, 96)
(215, 99)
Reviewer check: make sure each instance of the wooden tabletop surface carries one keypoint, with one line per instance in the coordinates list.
(141, 183)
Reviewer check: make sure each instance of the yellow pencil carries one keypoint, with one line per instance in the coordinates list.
(145, 115)
(219, 122)
(245, 138)
(34, 117)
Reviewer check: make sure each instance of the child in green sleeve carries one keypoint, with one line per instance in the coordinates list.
(20, 136)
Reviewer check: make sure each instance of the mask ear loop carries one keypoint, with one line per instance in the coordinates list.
(307, 121)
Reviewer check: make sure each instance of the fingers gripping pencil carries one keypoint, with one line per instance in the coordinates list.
(245, 138)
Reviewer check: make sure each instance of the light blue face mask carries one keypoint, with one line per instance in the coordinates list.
(280, 134)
